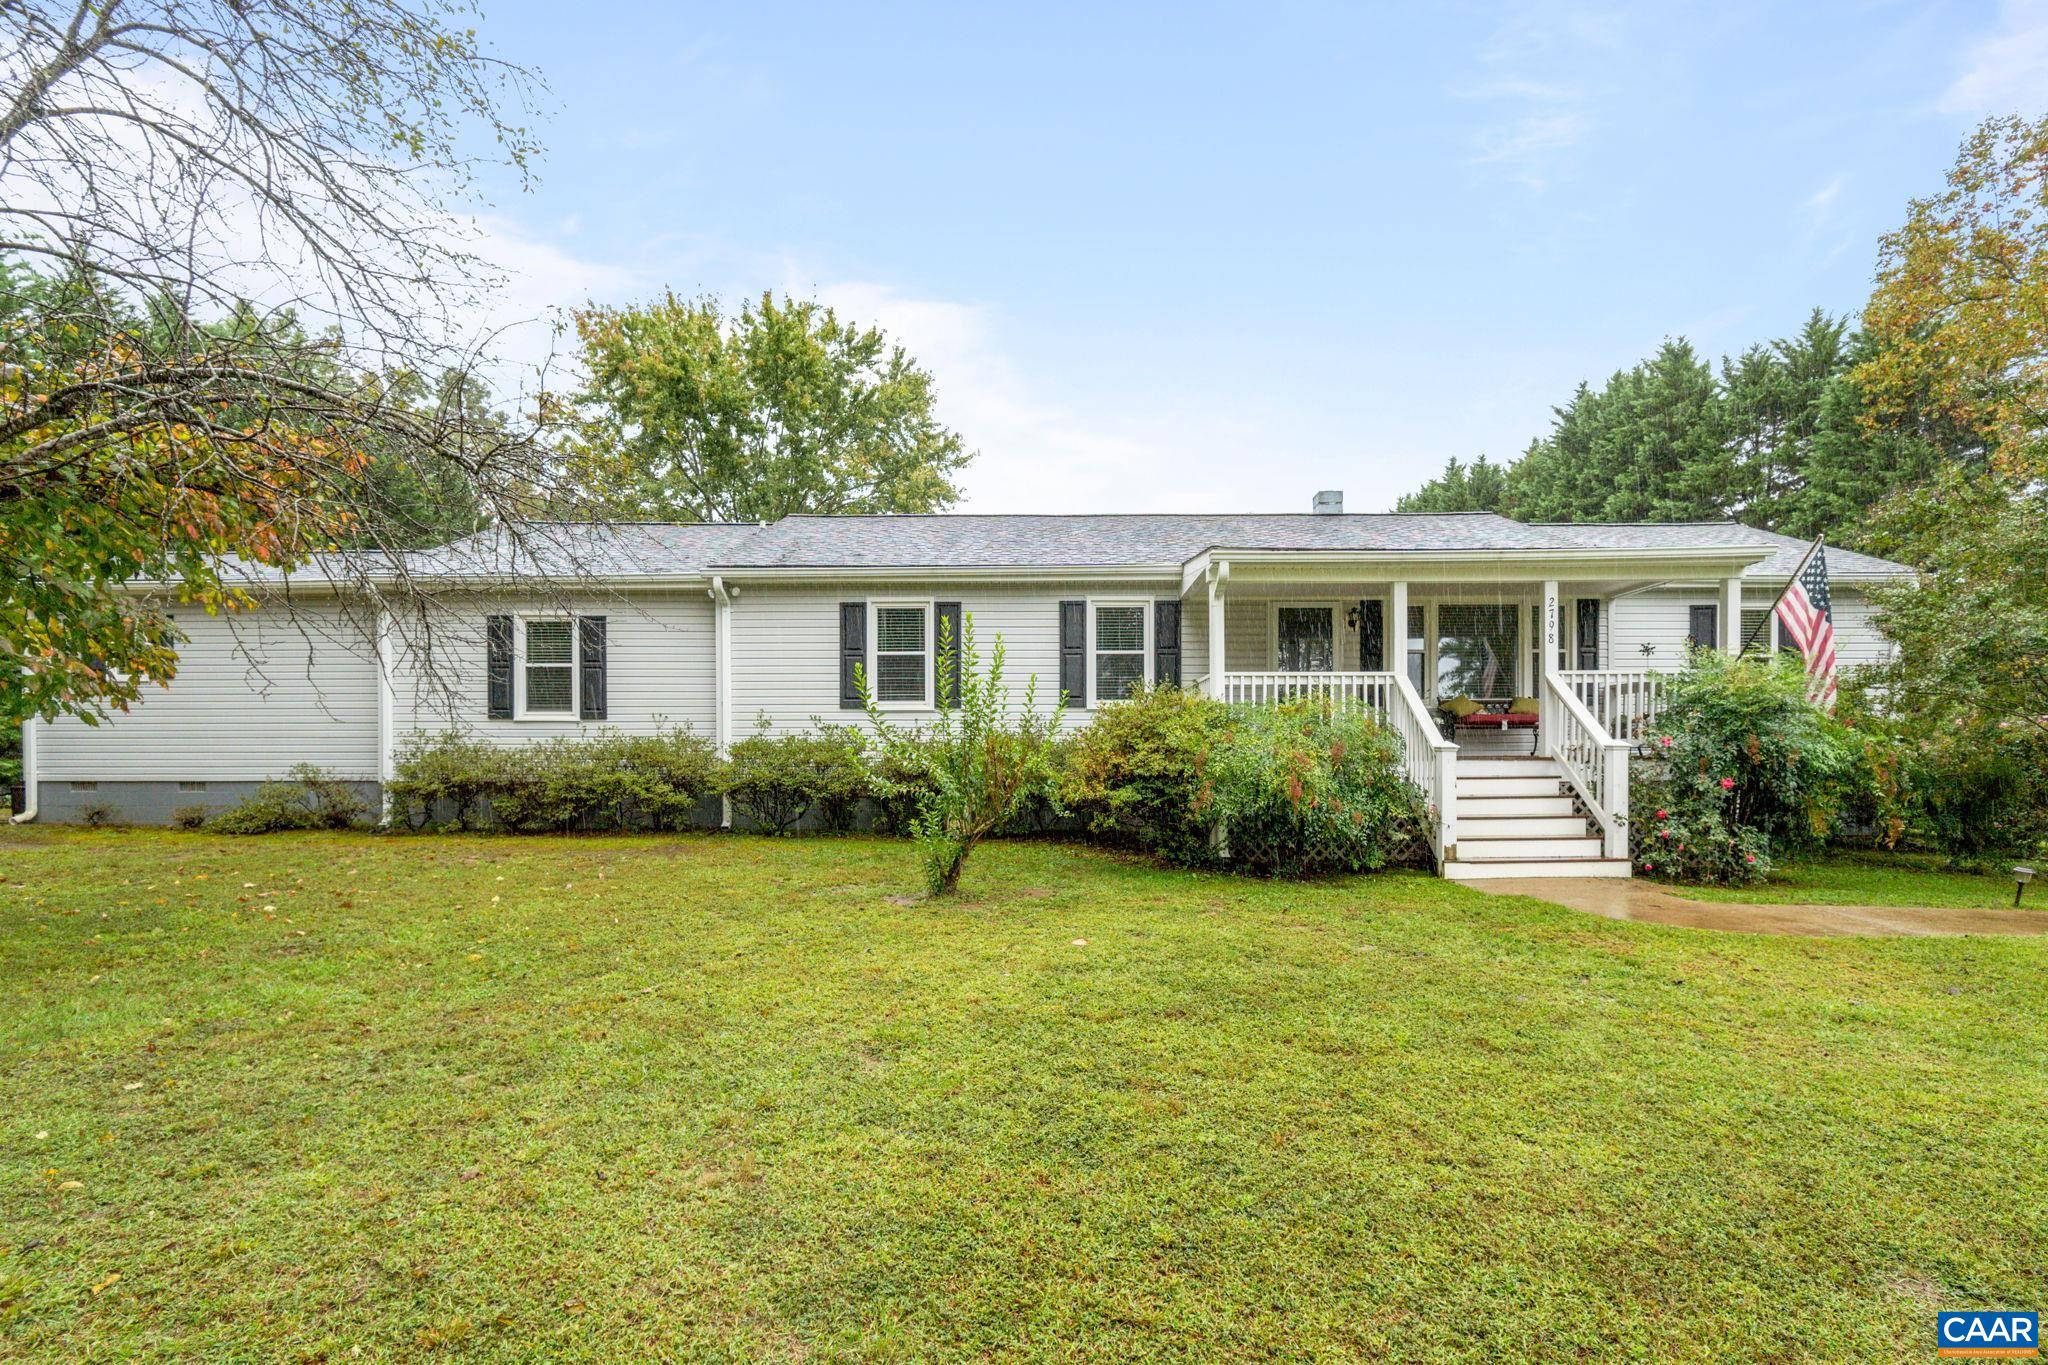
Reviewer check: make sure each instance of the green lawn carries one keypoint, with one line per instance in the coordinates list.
(1877, 879)
(340, 1097)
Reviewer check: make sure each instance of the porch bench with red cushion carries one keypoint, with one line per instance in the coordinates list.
(1487, 717)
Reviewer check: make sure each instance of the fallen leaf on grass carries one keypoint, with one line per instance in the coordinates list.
(105, 1284)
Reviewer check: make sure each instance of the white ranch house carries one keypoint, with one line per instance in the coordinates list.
(725, 628)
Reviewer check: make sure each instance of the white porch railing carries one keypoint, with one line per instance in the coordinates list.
(1624, 701)
(1366, 689)
(1594, 761)
(1429, 761)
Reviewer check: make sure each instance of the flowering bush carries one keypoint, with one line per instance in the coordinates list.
(1682, 832)
(1744, 767)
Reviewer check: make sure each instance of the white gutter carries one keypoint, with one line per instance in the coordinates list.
(28, 772)
(944, 572)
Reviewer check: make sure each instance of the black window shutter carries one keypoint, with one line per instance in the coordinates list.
(1706, 626)
(1372, 636)
(1589, 632)
(590, 647)
(853, 652)
(947, 666)
(498, 667)
(1074, 653)
(1166, 643)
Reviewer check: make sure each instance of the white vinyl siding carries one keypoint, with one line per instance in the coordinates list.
(660, 669)
(785, 643)
(1857, 639)
(256, 692)
(1661, 620)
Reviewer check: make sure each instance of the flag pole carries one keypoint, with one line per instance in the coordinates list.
(1797, 570)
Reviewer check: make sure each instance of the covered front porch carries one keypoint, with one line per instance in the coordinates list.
(1516, 715)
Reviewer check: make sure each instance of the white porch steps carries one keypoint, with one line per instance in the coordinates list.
(1515, 819)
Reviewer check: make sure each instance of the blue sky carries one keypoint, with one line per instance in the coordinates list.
(1215, 258)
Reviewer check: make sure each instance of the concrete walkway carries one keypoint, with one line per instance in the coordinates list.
(1648, 903)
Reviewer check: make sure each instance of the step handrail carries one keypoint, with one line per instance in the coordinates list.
(1432, 764)
(1594, 761)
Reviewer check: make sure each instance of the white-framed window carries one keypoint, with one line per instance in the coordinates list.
(1305, 637)
(900, 659)
(544, 667)
(1120, 648)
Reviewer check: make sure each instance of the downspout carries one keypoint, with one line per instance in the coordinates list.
(387, 758)
(721, 692)
(28, 772)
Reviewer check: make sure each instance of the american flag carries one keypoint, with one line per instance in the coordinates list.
(1806, 610)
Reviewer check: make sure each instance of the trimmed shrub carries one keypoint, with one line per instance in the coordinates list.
(609, 781)
(189, 817)
(1305, 788)
(775, 780)
(311, 799)
(447, 771)
(1136, 775)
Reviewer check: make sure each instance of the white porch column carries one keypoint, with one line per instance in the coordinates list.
(1397, 628)
(1731, 614)
(1546, 708)
(1219, 574)
(1553, 628)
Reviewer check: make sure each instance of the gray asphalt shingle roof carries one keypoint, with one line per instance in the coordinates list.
(965, 540)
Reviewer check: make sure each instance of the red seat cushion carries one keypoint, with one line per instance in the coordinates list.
(1498, 720)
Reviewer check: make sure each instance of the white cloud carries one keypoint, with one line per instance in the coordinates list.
(1528, 146)
(1035, 454)
(1818, 208)
(2006, 73)
(540, 282)
(1534, 67)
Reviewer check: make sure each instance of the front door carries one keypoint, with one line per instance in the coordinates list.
(1305, 639)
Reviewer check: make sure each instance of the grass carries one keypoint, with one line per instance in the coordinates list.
(340, 1097)
(1852, 878)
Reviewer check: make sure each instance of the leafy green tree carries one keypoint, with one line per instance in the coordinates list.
(1858, 457)
(778, 409)
(1774, 395)
(1960, 313)
(161, 151)
(1651, 445)
(1477, 487)
(1971, 628)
